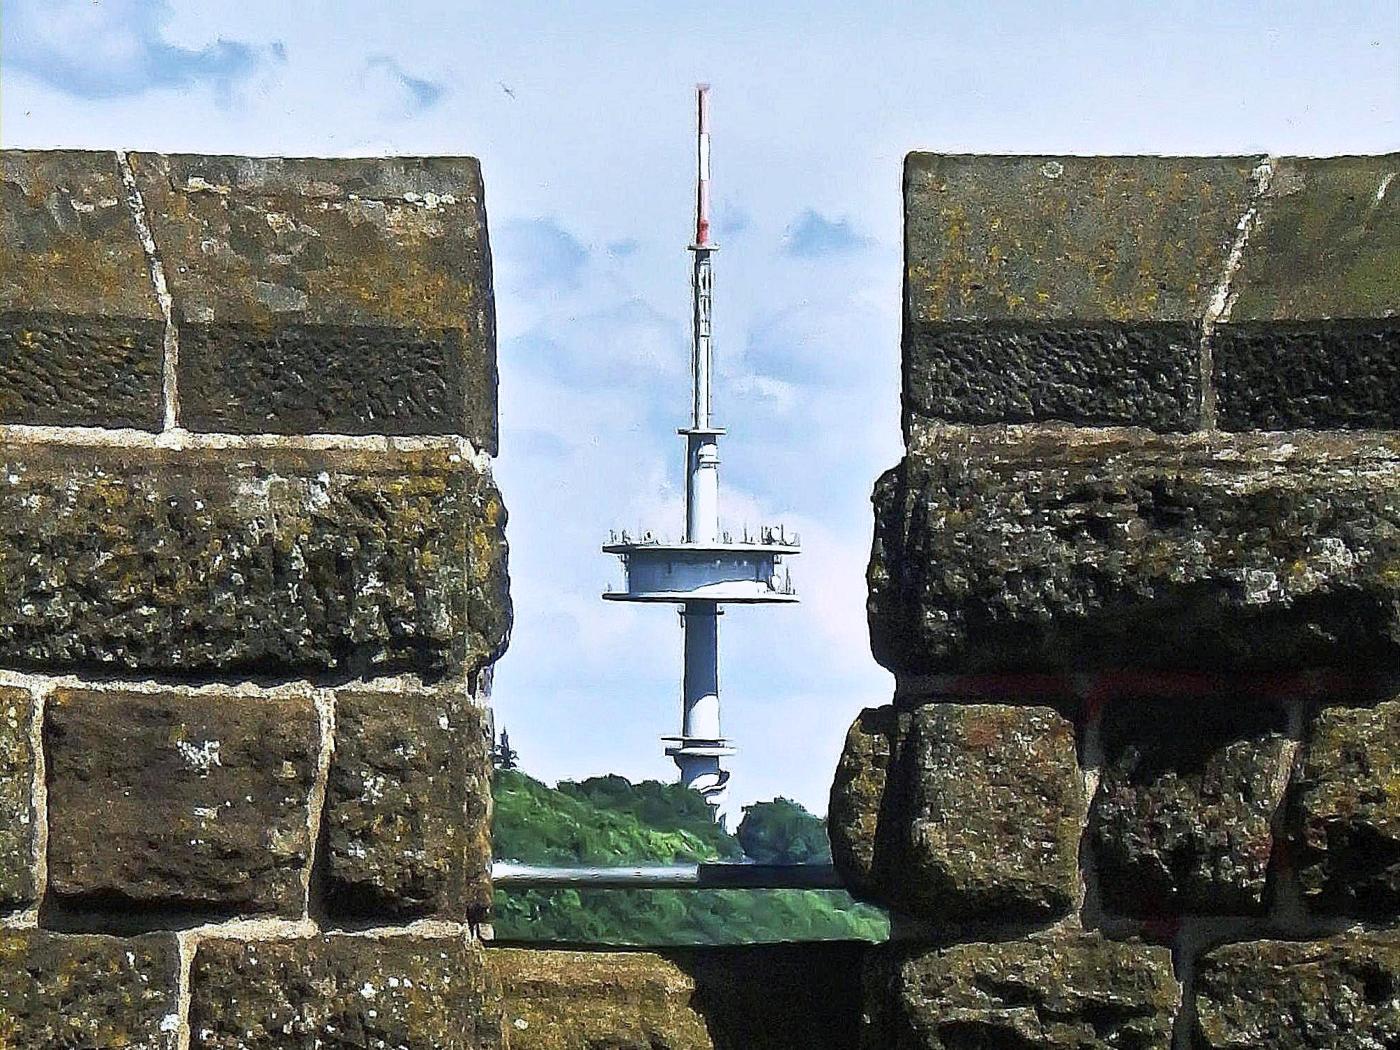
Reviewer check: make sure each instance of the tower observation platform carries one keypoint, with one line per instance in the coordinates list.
(708, 567)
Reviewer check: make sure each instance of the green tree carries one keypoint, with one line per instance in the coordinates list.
(783, 832)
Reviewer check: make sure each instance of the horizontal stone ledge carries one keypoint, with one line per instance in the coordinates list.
(272, 561)
(61, 990)
(1056, 549)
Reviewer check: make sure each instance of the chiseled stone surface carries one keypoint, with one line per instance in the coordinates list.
(179, 799)
(1182, 821)
(408, 806)
(1064, 549)
(976, 818)
(16, 799)
(1337, 994)
(349, 295)
(760, 997)
(1346, 819)
(1066, 992)
(267, 561)
(343, 992)
(1143, 374)
(80, 328)
(64, 992)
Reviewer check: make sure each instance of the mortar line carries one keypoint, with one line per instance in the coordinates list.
(325, 701)
(39, 808)
(170, 356)
(1222, 300)
(186, 943)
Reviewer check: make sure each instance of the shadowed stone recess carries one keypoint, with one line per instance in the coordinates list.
(1069, 992)
(408, 806)
(66, 992)
(760, 997)
(80, 328)
(344, 993)
(180, 800)
(1346, 812)
(1325, 374)
(264, 253)
(980, 819)
(1338, 994)
(249, 561)
(1182, 821)
(16, 807)
(1065, 550)
(1140, 375)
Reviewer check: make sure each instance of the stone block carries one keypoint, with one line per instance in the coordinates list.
(859, 795)
(981, 817)
(760, 997)
(180, 799)
(1057, 992)
(1145, 374)
(343, 992)
(64, 992)
(16, 799)
(259, 560)
(1327, 244)
(350, 295)
(408, 806)
(1065, 549)
(1346, 817)
(1318, 374)
(1338, 994)
(1182, 821)
(81, 332)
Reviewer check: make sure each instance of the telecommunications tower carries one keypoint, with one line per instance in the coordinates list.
(707, 567)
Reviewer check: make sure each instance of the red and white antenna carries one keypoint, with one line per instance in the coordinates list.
(702, 165)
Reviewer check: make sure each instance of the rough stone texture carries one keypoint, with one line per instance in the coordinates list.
(269, 560)
(1328, 244)
(1346, 819)
(80, 329)
(180, 799)
(408, 806)
(60, 992)
(1320, 374)
(1183, 818)
(328, 295)
(1069, 550)
(1337, 994)
(1072, 992)
(344, 993)
(769, 997)
(858, 799)
(981, 817)
(1100, 374)
(16, 806)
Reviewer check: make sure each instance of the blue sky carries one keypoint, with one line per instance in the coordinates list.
(581, 113)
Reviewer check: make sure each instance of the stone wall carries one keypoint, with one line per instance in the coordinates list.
(252, 582)
(1138, 580)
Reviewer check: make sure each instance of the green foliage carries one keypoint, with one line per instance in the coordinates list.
(783, 832)
(608, 820)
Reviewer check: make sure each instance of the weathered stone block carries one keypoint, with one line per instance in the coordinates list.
(328, 295)
(16, 801)
(1182, 821)
(1346, 819)
(1069, 992)
(343, 993)
(1319, 374)
(61, 992)
(266, 560)
(408, 806)
(180, 799)
(1099, 374)
(859, 795)
(981, 817)
(1067, 549)
(1054, 238)
(763, 997)
(1327, 245)
(80, 329)
(1338, 994)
